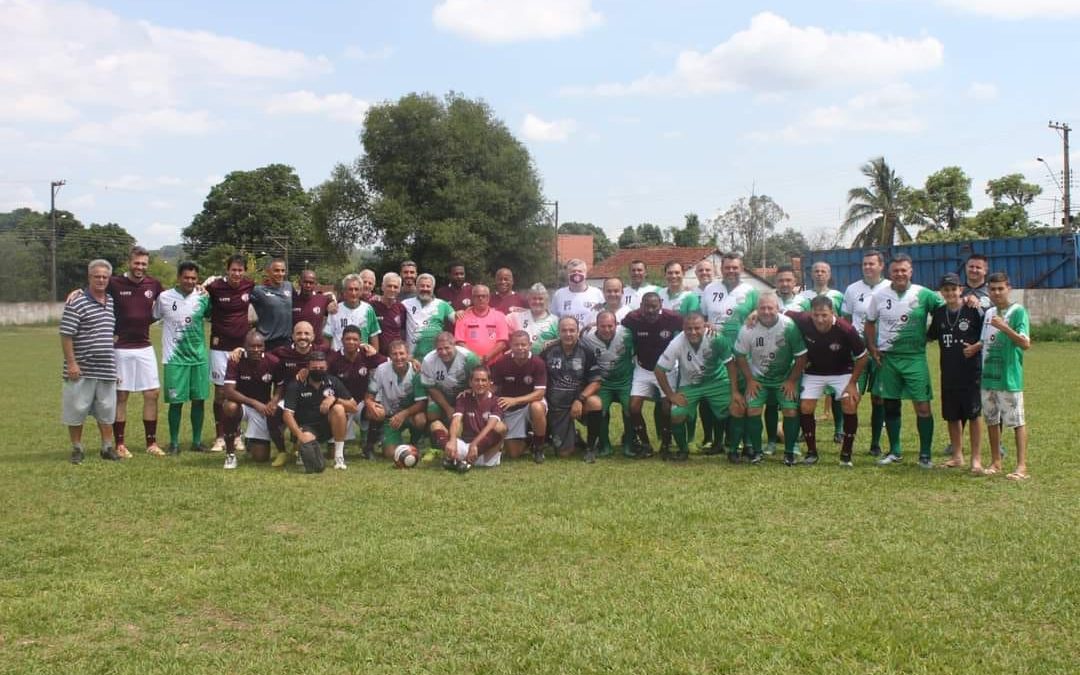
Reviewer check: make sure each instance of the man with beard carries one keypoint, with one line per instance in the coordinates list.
(425, 317)
(318, 407)
(409, 272)
(292, 362)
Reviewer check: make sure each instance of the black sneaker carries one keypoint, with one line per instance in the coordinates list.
(713, 450)
(463, 466)
(449, 464)
(789, 459)
(109, 454)
(680, 456)
(368, 454)
(665, 455)
(810, 459)
(590, 456)
(77, 456)
(756, 458)
(198, 447)
(538, 455)
(734, 457)
(644, 452)
(875, 451)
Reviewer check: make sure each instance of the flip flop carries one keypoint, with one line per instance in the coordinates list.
(1017, 476)
(989, 471)
(952, 464)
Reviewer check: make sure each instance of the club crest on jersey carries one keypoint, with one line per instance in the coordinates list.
(665, 334)
(267, 377)
(834, 346)
(328, 392)
(527, 379)
(316, 310)
(245, 297)
(963, 325)
(148, 294)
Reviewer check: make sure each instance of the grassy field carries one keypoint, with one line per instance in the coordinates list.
(176, 566)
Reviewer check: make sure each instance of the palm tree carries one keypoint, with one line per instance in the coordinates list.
(877, 208)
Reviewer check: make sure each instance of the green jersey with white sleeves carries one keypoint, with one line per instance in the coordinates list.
(540, 330)
(183, 339)
(902, 318)
(682, 302)
(771, 350)
(1003, 360)
(424, 322)
(449, 378)
(795, 303)
(727, 309)
(615, 358)
(836, 296)
(704, 363)
(857, 300)
(362, 316)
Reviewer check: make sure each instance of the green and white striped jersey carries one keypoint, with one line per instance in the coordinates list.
(727, 309)
(362, 316)
(616, 358)
(540, 330)
(771, 350)
(682, 302)
(424, 322)
(183, 339)
(704, 363)
(1003, 360)
(449, 378)
(857, 300)
(902, 318)
(836, 296)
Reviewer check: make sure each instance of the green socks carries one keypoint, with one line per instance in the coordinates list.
(176, 411)
(735, 428)
(926, 436)
(892, 427)
(877, 423)
(753, 432)
(791, 434)
(772, 418)
(198, 410)
(837, 415)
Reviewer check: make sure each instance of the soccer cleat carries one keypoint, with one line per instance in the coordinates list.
(122, 452)
(713, 450)
(463, 466)
(109, 454)
(770, 448)
(280, 459)
(449, 464)
(644, 452)
(757, 458)
(926, 463)
(538, 455)
(218, 446)
(890, 459)
(734, 457)
(605, 451)
(789, 459)
(680, 456)
(155, 450)
(230, 461)
(875, 451)
(239, 443)
(368, 454)
(846, 463)
(339, 463)
(665, 455)
(198, 447)
(77, 456)
(810, 459)
(174, 449)
(590, 456)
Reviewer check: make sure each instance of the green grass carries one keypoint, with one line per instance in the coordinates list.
(176, 566)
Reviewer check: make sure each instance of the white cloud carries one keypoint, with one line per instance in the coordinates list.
(342, 107)
(169, 180)
(772, 55)
(516, 20)
(160, 234)
(19, 196)
(982, 91)
(34, 107)
(535, 129)
(128, 129)
(1017, 9)
(356, 53)
(83, 201)
(159, 204)
(886, 110)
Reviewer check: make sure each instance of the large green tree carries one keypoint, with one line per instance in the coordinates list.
(603, 247)
(265, 209)
(450, 182)
(875, 211)
(691, 234)
(746, 224)
(782, 246)
(341, 211)
(943, 200)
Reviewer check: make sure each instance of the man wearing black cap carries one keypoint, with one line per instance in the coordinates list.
(957, 327)
(318, 407)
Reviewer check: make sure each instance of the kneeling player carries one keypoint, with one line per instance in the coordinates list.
(520, 381)
(248, 386)
(706, 373)
(476, 428)
(573, 380)
(613, 347)
(444, 373)
(353, 365)
(317, 408)
(390, 403)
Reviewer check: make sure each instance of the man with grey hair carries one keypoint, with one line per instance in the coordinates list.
(86, 336)
(541, 325)
(425, 317)
(352, 311)
(577, 299)
(390, 311)
(367, 283)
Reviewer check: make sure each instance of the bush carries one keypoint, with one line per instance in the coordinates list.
(1055, 331)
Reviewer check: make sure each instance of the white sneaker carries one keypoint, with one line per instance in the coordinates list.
(299, 460)
(239, 444)
(339, 463)
(889, 459)
(230, 461)
(218, 446)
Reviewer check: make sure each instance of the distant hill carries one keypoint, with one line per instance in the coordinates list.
(171, 253)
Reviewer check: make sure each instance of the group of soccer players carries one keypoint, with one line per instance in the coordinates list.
(474, 372)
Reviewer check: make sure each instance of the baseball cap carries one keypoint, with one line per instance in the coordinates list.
(950, 279)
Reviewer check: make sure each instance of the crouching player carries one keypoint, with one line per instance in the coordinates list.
(353, 365)
(390, 403)
(476, 429)
(520, 380)
(248, 388)
(318, 407)
(444, 373)
(613, 347)
(706, 372)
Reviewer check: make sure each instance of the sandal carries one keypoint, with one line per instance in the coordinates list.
(1016, 475)
(953, 463)
(989, 471)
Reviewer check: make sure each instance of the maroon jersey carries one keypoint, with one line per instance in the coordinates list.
(391, 321)
(512, 379)
(229, 313)
(290, 363)
(475, 412)
(503, 302)
(253, 378)
(311, 309)
(832, 352)
(133, 302)
(354, 373)
(460, 298)
(651, 339)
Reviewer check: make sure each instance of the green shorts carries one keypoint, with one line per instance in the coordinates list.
(717, 394)
(612, 395)
(868, 377)
(772, 394)
(904, 376)
(184, 383)
(435, 412)
(395, 437)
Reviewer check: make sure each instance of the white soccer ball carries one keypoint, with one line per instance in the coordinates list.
(406, 456)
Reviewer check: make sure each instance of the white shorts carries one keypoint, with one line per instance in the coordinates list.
(89, 396)
(257, 428)
(517, 421)
(462, 451)
(357, 419)
(219, 363)
(1003, 407)
(813, 386)
(645, 385)
(137, 369)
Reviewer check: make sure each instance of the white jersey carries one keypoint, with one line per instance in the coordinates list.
(728, 308)
(582, 305)
(679, 301)
(539, 330)
(362, 316)
(857, 301)
(631, 296)
(394, 392)
(451, 379)
(424, 322)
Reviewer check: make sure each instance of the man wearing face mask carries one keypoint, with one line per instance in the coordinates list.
(577, 299)
(318, 407)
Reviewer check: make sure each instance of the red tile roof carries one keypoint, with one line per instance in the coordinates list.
(654, 257)
(572, 246)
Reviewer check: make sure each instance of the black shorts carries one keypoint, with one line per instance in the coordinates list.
(321, 429)
(964, 403)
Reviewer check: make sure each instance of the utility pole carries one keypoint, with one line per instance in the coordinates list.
(1066, 177)
(54, 187)
(555, 222)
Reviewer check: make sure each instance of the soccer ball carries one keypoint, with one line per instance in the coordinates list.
(406, 456)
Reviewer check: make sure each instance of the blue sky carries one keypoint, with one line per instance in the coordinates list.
(633, 111)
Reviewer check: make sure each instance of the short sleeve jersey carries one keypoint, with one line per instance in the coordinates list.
(683, 302)
(183, 338)
(254, 378)
(540, 330)
(833, 352)
(449, 378)
(953, 330)
(133, 302)
(836, 296)
(727, 309)
(771, 350)
(1002, 359)
(568, 374)
(312, 309)
(290, 362)
(515, 379)
(273, 305)
(481, 333)
(391, 322)
(857, 300)
(632, 296)
(980, 292)
(796, 303)
(229, 313)
(90, 325)
(355, 373)
(615, 358)
(703, 363)
(395, 392)
(504, 301)
(458, 297)
(303, 399)
(652, 338)
(362, 316)
(424, 322)
(582, 305)
(902, 317)
(475, 411)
